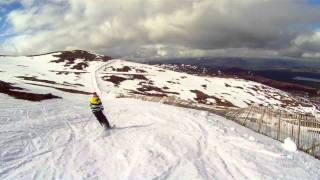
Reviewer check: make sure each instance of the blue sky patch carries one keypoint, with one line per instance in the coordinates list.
(4, 11)
(313, 2)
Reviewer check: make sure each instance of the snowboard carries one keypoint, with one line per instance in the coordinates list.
(112, 127)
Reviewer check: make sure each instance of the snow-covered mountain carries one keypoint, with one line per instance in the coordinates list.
(55, 136)
(32, 77)
(68, 71)
(123, 78)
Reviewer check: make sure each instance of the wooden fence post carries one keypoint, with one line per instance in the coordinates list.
(261, 120)
(279, 125)
(292, 130)
(314, 147)
(244, 121)
(299, 125)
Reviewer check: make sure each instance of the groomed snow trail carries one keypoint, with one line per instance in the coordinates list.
(60, 139)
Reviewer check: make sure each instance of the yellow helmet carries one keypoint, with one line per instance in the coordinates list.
(95, 100)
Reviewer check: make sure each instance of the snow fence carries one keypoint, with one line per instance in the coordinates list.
(303, 129)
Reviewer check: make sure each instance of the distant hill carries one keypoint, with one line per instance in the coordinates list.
(247, 63)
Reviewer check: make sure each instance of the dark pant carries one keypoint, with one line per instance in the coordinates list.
(102, 118)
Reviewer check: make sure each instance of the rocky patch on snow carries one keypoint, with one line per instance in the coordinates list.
(21, 93)
(71, 59)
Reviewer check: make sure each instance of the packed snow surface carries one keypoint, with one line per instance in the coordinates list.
(60, 139)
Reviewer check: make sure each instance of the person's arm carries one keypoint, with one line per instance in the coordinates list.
(101, 106)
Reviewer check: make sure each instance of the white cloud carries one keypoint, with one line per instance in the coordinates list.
(6, 2)
(311, 41)
(315, 55)
(181, 27)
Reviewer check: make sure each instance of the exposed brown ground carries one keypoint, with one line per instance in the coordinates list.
(140, 71)
(204, 86)
(63, 89)
(116, 80)
(22, 65)
(35, 79)
(69, 58)
(123, 69)
(13, 91)
(147, 94)
(145, 89)
(68, 72)
(202, 98)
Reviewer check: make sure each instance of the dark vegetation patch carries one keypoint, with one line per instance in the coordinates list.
(146, 88)
(13, 91)
(285, 100)
(202, 98)
(147, 93)
(68, 72)
(139, 76)
(35, 79)
(70, 57)
(204, 86)
(172, 82)
(289, 102)
(123, 69)
(250, 93)
(183, 77)
(117, 80)
(140, 71)
(165, 87)
(22, 65)
(249, 103)
(8, 86)
(239, 87)
(70, 84)
(63, 89)
(227, 85)
(149, 82)
(149, 90)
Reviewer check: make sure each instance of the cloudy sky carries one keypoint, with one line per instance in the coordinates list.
(145, 28)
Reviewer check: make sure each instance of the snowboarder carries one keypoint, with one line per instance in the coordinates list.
(97, 108)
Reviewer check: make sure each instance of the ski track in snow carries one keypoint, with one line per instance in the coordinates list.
(60, 139)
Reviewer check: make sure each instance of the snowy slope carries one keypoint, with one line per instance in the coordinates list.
(59, 139)
(69, 71)
(57, 73)
(123, 78)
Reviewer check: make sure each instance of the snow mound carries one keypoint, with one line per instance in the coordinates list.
(289, 145)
